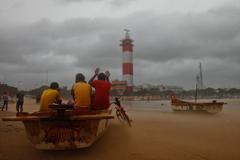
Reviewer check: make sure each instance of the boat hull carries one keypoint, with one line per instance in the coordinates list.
(210, 107)
(59, 135)
(47, 133)
(193, 107)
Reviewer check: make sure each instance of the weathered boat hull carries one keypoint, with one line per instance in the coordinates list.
(59, 134)
(210, 107)
(203, 107)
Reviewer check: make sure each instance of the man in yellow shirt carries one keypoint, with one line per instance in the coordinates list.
(81, 92)
(50, 96)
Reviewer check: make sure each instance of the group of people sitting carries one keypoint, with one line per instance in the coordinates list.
(94, 94)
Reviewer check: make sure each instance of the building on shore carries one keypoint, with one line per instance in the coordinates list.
(175, 89)
(11, 91)
(118, 87)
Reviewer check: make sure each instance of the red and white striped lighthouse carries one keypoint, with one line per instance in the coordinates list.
(127, 61)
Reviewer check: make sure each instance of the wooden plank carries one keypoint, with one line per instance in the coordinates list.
(87, 117)
(21, 118)
(36, 118)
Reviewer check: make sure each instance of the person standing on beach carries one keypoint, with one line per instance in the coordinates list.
(1, 103)
(50, 96)
(81, 92)
(102, 88)
(5, 101)
(20, 101)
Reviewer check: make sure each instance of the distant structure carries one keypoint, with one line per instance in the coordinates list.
(12, 91)
(175, 89)
(199, 78)
(118, 87)
(127, 61)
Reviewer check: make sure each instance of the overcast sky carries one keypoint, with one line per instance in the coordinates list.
(60, 38)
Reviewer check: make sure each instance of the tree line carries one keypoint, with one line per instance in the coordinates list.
(191, 94)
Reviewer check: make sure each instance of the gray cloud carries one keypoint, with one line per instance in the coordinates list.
(168, 48)
(116, 3)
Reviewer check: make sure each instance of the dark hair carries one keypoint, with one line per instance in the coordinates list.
(80, 77)
(101, 76)
(54, 85)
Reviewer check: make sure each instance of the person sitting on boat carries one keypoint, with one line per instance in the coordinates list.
(81, 92)
(50, 96)
(102, 90)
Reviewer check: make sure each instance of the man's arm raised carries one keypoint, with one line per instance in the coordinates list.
(107, 73)
(94, 76)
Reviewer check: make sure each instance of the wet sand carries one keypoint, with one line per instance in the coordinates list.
(157, 133)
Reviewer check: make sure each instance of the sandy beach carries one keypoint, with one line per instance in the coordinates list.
(157, 133)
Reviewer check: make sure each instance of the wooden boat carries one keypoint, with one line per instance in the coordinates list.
(67, 128)
(210, 107)
(64, 128)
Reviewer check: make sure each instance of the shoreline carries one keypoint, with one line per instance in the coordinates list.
(155, 135)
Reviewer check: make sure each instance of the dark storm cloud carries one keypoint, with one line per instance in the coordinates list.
(192, 35)
(167, 46)
(57, 47)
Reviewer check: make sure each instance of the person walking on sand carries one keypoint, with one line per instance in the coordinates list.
(81, 92)
(5, 98)
(50, 96)
(1, 103)
(20, 101)
(102, 88)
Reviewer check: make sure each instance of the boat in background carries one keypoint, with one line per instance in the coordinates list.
(210, 107)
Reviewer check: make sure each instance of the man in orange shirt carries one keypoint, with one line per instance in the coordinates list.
(50, 96)
(81, 92)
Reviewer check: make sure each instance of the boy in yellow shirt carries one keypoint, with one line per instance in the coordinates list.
(81, 92)
(50, 96)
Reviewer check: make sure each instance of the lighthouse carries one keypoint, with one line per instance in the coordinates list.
(127, 60)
